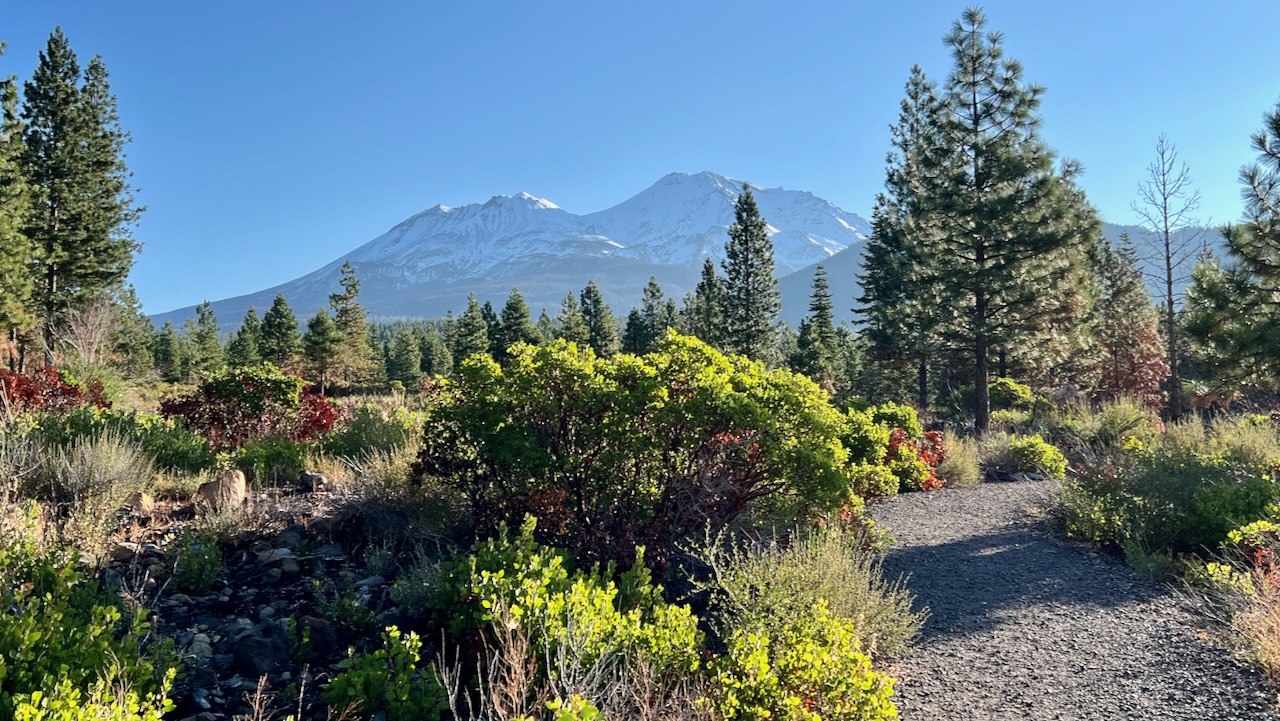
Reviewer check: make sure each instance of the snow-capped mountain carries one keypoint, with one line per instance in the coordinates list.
(429, 263)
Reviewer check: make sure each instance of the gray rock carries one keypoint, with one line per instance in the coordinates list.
(226, 493)
(264, 650)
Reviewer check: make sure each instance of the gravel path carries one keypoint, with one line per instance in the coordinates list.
(1025, 625)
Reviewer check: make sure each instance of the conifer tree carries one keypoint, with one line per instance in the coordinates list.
(322, 346)
(1231, 313)
(279, 342)
(816, 343)
(546, 327)
(491, 321)
(205, 351)
(570, 325)
(134, 334)
(636, 335)
(16, 249)
(436, 360)
(165, 351)
(73, 160)
(355, 357)
(751, 299)
(1126, 328)
(242, 349)
(647, 324)
(404, 360)
(703, 312)
(470, 333)
(997, 208)
(602, 327)
(514, 325)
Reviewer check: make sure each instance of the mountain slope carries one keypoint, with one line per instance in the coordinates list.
(429, 263)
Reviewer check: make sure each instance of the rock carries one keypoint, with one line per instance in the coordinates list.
(200, 652)
(124, 551)
(291, 537)
(370, 582)
(313, 482)
(227, 492)
(140, 504)
(266, 612)
(290, 566)
(274, 556)
(320, 634)
(331, 552)
(263, 651)
(272, 575)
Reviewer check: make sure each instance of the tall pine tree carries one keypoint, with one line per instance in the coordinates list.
(1125, 322)
(751, 298)
(73, 159)
(816, 344)
(514, 325)
(205, 352)
(280, 342)
(703, 312)
(470, 333)
(602, 326)
(322, 347)
(16, 249)
(570, 325)
(242, 349)
(355, 356)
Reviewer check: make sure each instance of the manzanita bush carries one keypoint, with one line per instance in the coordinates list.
(43, 389)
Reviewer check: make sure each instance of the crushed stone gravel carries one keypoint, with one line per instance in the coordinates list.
(1024, 624)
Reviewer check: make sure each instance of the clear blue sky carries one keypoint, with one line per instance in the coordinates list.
(271, 137)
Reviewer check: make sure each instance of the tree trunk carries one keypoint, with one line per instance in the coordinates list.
(50, 323)
(981, 386)
(922, 378)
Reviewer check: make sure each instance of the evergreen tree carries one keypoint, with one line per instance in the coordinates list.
(134, 334)
(470, 333)
(1126, 328)
(16, 249)
(647, 325)
(513, 326)
(545, 327)
(242, 349)
(570, 325)
(1231, 313)
(73, 159)
(436, 360)
(496, 349)
(355, 357)
(404, 362)
(751, 298)
(322, 347)
(165, 351)
(636, 333)
(279, 342)
(602, 327)
(205, 351)
(1002, 220)
(816, 344)
(703, 313)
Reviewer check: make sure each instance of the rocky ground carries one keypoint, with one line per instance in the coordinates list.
(1026, 625)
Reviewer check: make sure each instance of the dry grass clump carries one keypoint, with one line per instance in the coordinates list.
(960, 467)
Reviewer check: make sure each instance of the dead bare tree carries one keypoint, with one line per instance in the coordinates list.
(89, 330)
(1173, 240)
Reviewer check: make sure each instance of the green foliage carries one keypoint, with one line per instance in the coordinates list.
(866, 439)
(1032, 454)
(388, 681)
(322, 346)
(751, 298)
(279, 342)
(1008, 394)
(105, 701)
(960, 466)
(601, 449)
(812, 670)
(271, 460)
(1092, 513)
(172, 447)
(895, 415)
(776, 586)
(234, 406)
(58, 625)
(873, 480)
(197, 562)
(602, 327)
(373, 428)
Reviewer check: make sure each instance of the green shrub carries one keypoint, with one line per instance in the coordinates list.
(1246, 443)
(870, 481)
(107, 699)
(866, 440)
(90, 482)
(959, 467)
(776, 586)
(372, 429)
(388, 681)
(1093, 514)
(271, 460)
(1032, 454)
(811, 670)
(171, 446)
(896, 415)
(197, 562)
(57, 624)
(1009, 419)
(1008, 394)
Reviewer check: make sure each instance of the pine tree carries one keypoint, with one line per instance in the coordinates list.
(636, 334)
(134, 334)
(16, 249)
(1231, 313)
(436, 360)
(280, 342)
(570, 325)
(242, 349)
(404, 362)
(73, 159)
(602, 327)
(546, 327)
(751, 299)
(355, 357)
(513, 325)
(1133, 365)
(647, 324)
(1002, 220)
(816, 344)
(703, 312)
(165, 351)
(491, 321)
(322, 346)
(205, 351)
(470, 333)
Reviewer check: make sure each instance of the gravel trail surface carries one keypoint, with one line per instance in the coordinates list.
(1026, 625)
